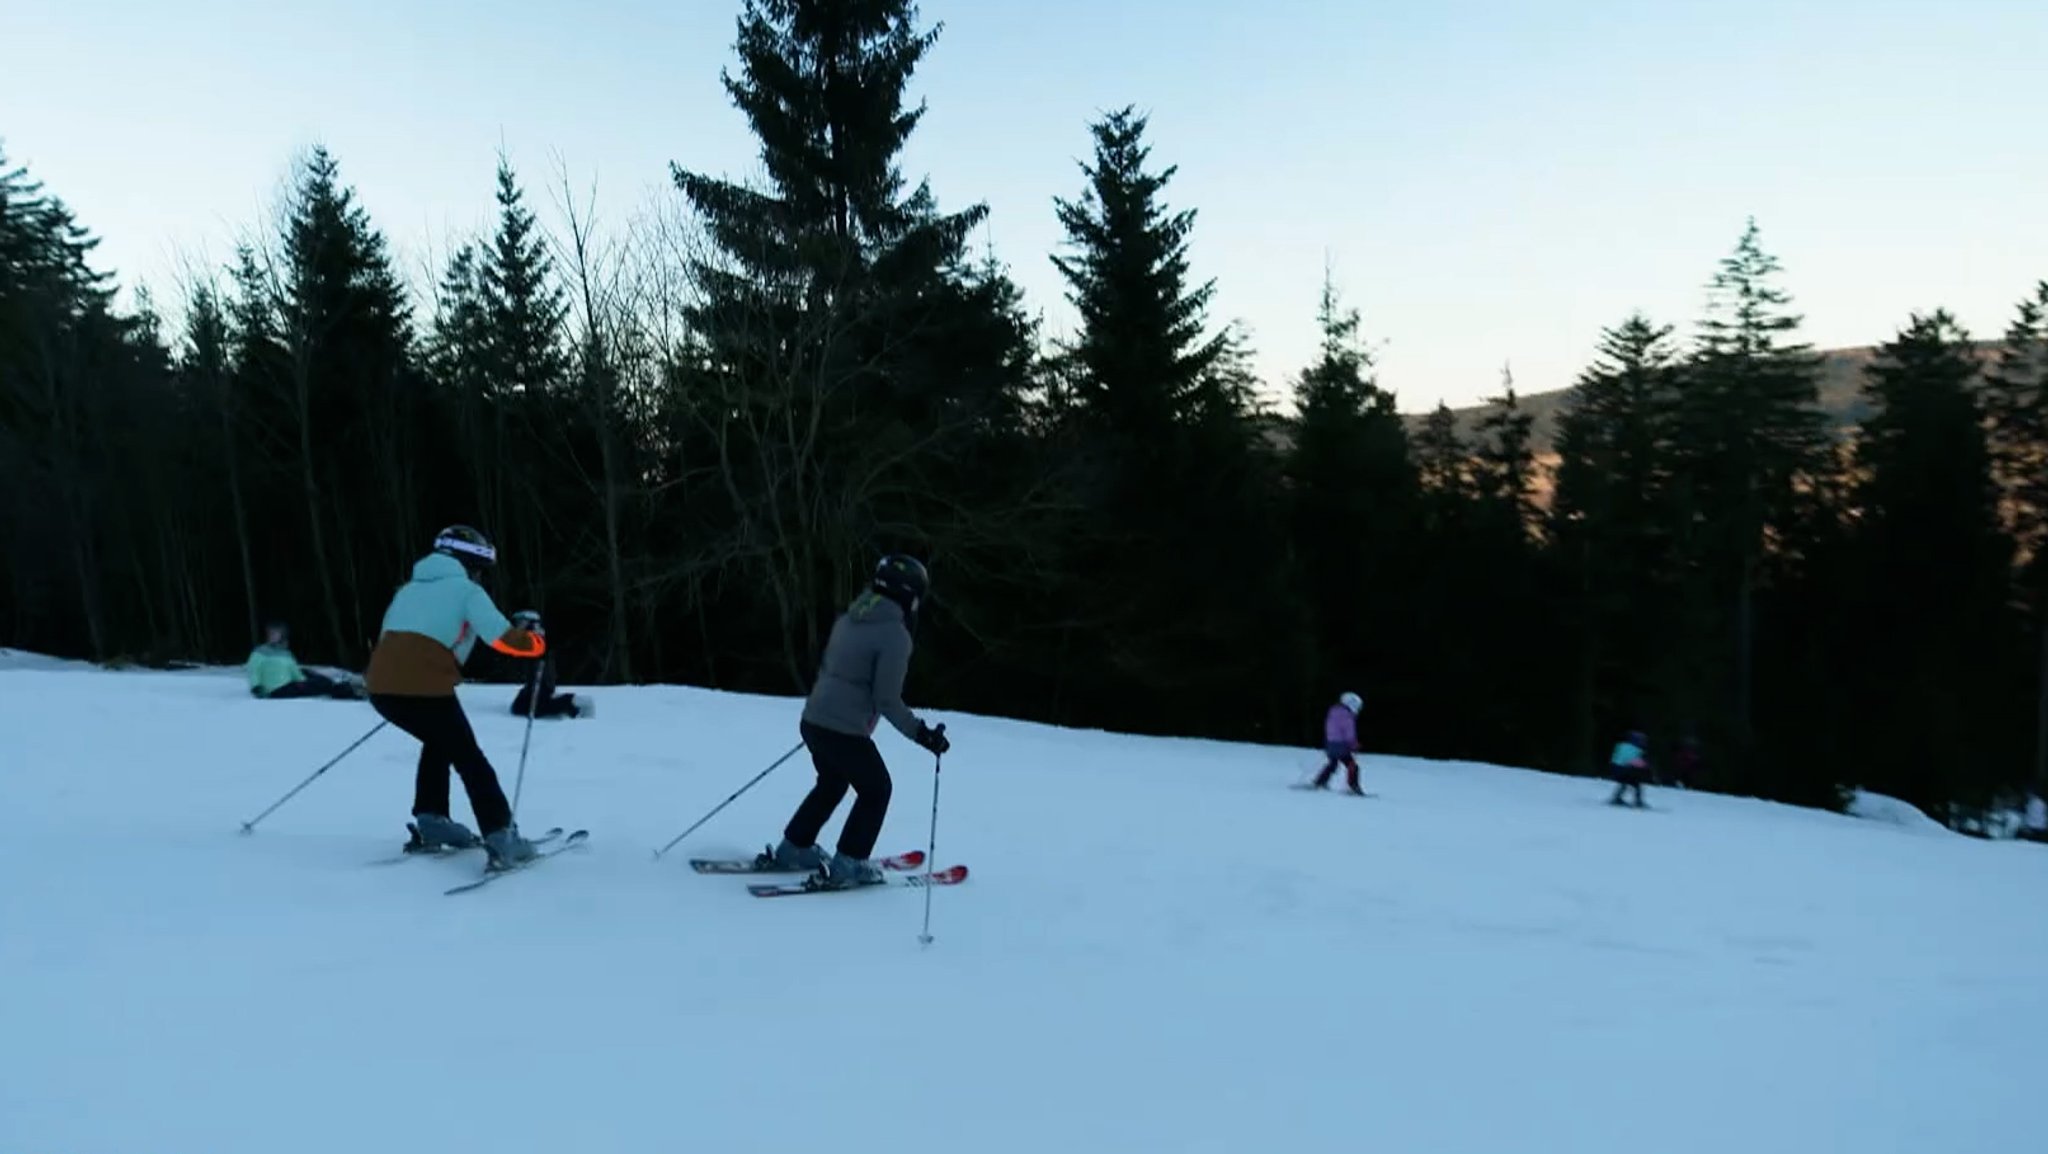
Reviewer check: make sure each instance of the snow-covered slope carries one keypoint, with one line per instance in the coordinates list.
(1161, 948)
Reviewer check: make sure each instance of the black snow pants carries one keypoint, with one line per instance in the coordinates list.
(446, 740)
(842, 761)
(1627, 778)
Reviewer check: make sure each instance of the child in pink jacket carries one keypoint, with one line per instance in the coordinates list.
(1340, 741)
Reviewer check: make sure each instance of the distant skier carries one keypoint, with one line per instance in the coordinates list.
(1340, 742)
(429, 630)
(275, 675)
(549, 703)
(1630, 766)
(860, 681)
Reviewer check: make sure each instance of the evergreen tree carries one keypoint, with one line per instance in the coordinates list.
(823, 85)
(523, 302)
(817, 375)
(345, 329)
(1354, 517)
(1613, 519)
(2016, 394)
(2016, 397)
(1506, 465)
(208, 371)
(1753, 432)
(1158, 409)
(90, 445)
(1142, 357)
(52, 336)
(465, 351)
(458, 345)
(2020, 432)
(1934, 571)
(1443, 459)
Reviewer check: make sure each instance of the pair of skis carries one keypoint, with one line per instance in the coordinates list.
(493, 872)
(545, 844)
(898, 870)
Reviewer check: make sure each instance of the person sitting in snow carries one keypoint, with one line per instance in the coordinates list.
(547, 703)
(1340, 742)
(275, 675)
(1630, 767)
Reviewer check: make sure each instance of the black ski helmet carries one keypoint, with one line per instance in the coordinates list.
(903, 580)
(466, 545)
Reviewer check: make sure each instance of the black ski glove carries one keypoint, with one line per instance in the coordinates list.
(933, 739)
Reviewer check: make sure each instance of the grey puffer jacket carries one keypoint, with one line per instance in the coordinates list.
(861, 677)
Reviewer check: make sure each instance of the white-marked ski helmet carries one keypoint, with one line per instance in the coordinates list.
(1352, 702)
(466, 545)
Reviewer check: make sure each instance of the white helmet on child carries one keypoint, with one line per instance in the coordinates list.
(1352, 702)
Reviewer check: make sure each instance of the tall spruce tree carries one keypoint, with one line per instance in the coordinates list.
(1142, 355)
(1613, 522)
(1753, 433)
(1443, 459)
(1354, 517)
(822, 303)
(346, 331)
(2016, 393)
(2016, 400)
(823, 86)
(208, 370)
(1158, 406)
(53, 306)
(1935, 567)
(521, 353)
(1506, 463)
(1501, 571)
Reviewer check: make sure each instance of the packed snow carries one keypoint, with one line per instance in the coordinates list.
(1878, 807)
(1161, 947)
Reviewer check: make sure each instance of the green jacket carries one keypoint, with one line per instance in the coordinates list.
(272, 667)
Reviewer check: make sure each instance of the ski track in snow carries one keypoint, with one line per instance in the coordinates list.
(1161, 947)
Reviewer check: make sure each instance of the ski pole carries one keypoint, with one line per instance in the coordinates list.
(931, 853)
(532, 707)
(250, 825)
(728, 801)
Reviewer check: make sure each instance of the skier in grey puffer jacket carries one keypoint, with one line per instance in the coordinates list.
(860, 681)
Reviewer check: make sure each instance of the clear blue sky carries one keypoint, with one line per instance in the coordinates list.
(1492, 182)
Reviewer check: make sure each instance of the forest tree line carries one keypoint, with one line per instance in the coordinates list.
(690, 435)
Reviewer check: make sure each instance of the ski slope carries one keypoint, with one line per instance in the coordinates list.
(1161, 948)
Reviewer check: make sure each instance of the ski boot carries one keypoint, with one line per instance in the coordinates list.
(435, 833)
(844, 873)
(508, 849)
(785, 856)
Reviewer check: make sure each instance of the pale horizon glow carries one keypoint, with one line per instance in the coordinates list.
(1491, 183)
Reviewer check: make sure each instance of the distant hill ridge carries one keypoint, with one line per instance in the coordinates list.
(1841, 397)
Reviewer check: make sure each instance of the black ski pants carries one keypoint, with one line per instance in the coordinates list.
(446, 740)
(843, 761)
(1626, 779)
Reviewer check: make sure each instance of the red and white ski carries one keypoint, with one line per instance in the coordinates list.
(757, 864)
(950, 876)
